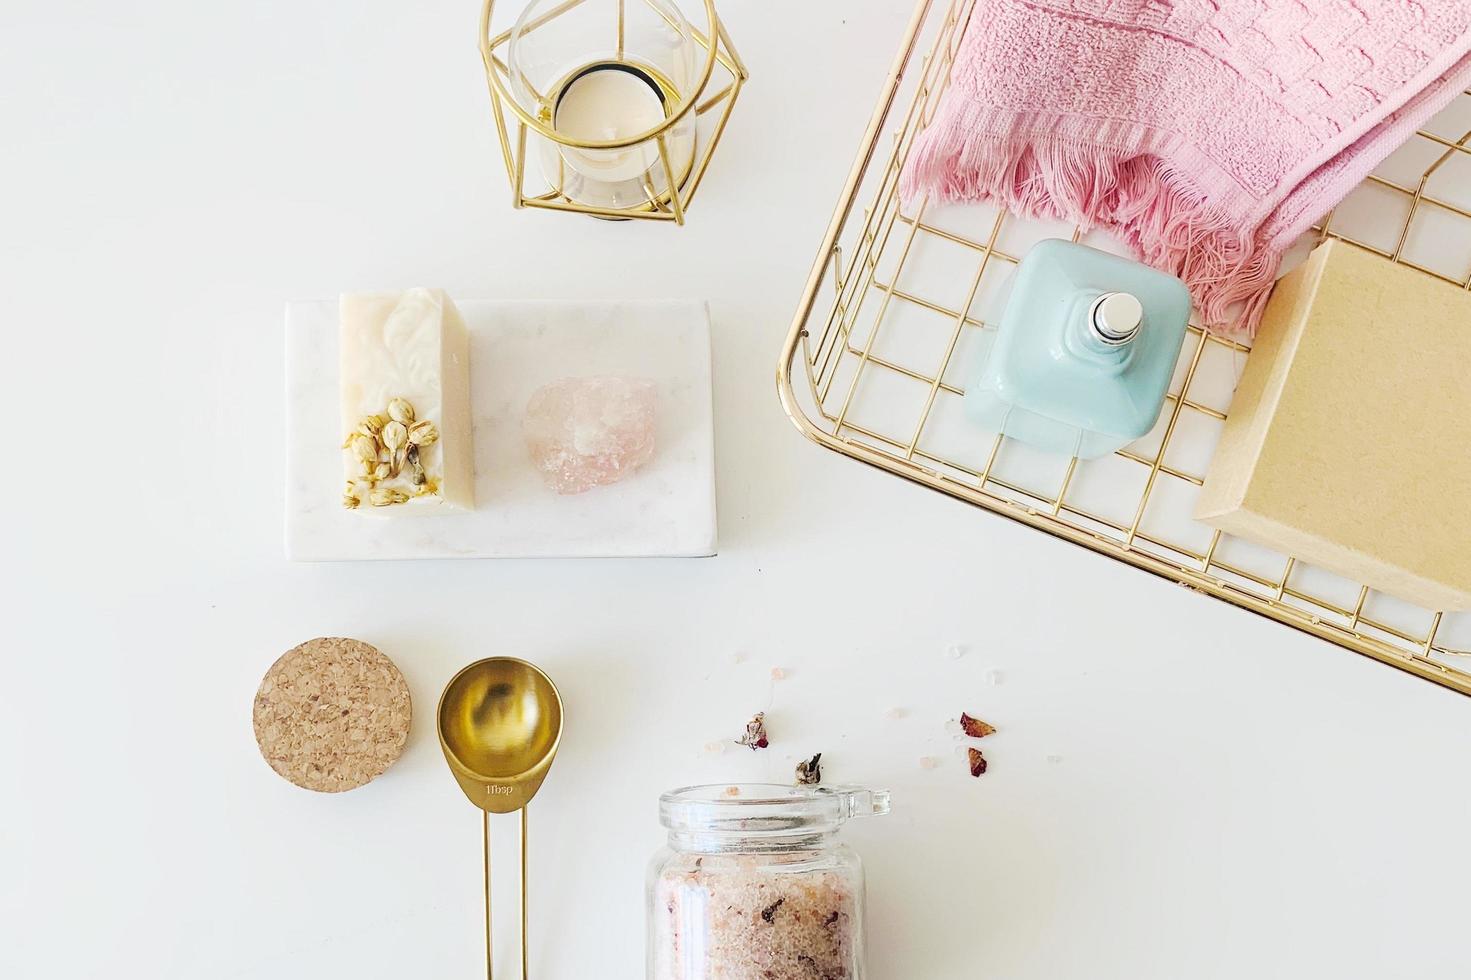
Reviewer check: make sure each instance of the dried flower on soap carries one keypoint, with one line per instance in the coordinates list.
(387, 444)
(401, 411)
(416, 468)
(809, 771)
(974, 727)
(386, 497)
(365, 448)
(395, 434)
(372, 426)
(755, 736)
(976, 761)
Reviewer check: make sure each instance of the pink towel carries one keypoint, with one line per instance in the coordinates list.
(1208, 134)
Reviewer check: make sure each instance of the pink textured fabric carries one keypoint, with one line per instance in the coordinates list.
(1208, 134)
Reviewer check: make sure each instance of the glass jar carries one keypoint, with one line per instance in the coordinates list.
(754, 885)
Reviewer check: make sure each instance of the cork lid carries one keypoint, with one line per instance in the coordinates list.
(332, 714)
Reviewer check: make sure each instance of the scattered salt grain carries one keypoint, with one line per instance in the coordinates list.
(954, 651)
(894, 714)
(928, 762)
(778, 674)
(1054, 759)
(714, 748)
(993, 678)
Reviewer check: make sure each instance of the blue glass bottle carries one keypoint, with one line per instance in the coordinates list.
(1084, 354)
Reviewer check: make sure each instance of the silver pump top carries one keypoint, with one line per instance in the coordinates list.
(1115, 318)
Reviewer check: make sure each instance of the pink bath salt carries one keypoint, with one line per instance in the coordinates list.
(589, 432)
(736, 919)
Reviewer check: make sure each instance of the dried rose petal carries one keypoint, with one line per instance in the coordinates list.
(755, 736)
(974, 727)
(809, 771)
(977, 762)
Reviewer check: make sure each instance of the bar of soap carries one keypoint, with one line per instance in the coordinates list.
(1348, 443)
(405, 387)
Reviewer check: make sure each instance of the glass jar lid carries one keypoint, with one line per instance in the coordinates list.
(767, 808)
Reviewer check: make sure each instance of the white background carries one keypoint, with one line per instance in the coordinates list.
(1231, 799)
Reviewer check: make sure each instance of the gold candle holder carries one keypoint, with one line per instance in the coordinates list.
(621, 103)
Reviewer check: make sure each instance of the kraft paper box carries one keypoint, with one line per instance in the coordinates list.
(1348, 443)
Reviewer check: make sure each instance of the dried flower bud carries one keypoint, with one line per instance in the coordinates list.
(974, 727)
(386, 497)
(372, 425)
(976, 760)
(350, 500)
(382, 472)
(395, 434)
(423, 433)
(755, 736)
(809, 771)
(364, 448)
(416, 468)
(401, 412)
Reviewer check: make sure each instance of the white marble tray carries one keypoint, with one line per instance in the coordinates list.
(667, 508)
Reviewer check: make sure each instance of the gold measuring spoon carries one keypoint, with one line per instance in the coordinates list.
(500, 721)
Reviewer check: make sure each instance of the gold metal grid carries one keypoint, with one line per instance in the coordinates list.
(860, 293)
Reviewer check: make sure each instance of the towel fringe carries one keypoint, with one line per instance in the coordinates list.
(1157, 211)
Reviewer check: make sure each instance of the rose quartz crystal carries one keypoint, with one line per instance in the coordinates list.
(589, 432)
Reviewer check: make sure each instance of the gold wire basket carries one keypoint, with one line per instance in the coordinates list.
(900, 294)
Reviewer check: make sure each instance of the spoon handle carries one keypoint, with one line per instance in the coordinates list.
(485, 841)
(524, 882)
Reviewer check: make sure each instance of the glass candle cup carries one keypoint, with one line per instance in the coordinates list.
(615, 80)
(754, 884)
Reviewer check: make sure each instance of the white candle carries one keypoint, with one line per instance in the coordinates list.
(610, 103)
